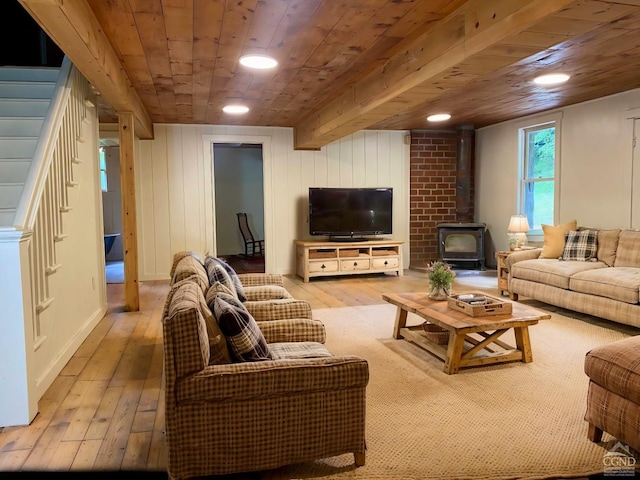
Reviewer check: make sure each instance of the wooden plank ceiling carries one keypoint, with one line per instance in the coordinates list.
(344, 65)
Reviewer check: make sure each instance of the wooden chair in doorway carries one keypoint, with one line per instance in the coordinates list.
(252, 247)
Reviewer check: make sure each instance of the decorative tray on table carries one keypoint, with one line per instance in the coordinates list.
(479, 305)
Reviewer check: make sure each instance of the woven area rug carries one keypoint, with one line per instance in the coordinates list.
(506, 421)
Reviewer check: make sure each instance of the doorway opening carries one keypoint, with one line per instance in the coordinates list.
(238, 173)
(112, 210)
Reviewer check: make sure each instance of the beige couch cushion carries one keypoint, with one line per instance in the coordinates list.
(189, 266)
(179, 256)
(628, 252)
(266, 292)
(551, 272)
(554, 238)
(187, 299)
(185, 325)
(619, 283)
(296, 350)
(607, 245)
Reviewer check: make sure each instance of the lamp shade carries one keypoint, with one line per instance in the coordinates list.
(518, 224)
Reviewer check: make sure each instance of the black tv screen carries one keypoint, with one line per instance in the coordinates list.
(350, 212)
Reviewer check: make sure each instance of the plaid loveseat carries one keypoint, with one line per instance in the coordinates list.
(607, 286)
(226, 416)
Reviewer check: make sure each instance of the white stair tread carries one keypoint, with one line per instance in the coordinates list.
(10, 195)
(17, 147)
(14, 171)
(37, 74)
(14, 126)
(6, 216)
(19, 107)
(30, 90)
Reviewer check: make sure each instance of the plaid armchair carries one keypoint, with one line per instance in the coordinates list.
(613, 399)
(227, 417)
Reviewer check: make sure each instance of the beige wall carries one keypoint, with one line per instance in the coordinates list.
(174, 193)
(596, 169)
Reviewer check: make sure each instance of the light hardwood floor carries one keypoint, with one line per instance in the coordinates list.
(105, 411)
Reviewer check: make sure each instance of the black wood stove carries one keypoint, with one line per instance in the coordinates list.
(462, 243)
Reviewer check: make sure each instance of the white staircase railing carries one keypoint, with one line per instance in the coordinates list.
(28, 251)
(46, 192)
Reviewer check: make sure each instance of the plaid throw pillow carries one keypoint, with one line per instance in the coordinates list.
(221, 271)
(245, 339)
(217, 273)
(580, 245)
(234, 278)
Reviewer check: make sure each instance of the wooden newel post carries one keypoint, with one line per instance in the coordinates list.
(130, 239)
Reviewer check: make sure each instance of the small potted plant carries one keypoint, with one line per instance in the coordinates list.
(440, 277)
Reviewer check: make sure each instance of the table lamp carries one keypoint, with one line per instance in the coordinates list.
(518, 228)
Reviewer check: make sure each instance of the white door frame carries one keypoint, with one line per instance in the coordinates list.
(265, 141)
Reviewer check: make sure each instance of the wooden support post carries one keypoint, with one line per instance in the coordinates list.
(129, 235)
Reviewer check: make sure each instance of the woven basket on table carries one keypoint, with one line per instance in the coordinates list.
(435, 334)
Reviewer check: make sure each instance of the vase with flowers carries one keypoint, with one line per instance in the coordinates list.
(440, 277)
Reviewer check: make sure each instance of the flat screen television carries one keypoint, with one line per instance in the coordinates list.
(350, 213)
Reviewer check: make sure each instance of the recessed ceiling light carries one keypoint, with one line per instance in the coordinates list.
(235, 109)
(262, 62)
(551, 79)
(438, 117)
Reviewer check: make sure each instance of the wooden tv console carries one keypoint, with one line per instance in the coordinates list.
(323, 259)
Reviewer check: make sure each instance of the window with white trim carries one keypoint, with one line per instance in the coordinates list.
(538, 179)
(103, 170)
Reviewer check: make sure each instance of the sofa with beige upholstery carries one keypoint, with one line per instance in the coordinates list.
(606, 285)
(596, 273)
(244, 395)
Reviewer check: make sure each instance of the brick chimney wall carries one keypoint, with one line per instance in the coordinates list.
(432, 177)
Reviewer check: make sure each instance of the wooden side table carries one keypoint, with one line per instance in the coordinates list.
(503, 272)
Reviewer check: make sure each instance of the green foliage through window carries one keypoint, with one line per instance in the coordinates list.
(538, 181)
(103, 170)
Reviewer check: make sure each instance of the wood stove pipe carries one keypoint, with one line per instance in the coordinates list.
(464, 163)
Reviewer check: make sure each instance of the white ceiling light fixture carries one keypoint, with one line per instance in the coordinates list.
(438, 117)
(551, 79)
(262, 62)
(235, 109)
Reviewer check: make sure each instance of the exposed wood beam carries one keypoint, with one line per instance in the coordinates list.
(440, 59)
(72, 25)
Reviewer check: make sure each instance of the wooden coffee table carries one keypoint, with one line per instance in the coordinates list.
(473, 341)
